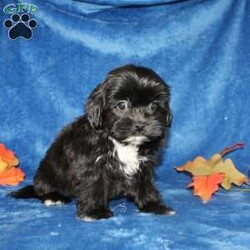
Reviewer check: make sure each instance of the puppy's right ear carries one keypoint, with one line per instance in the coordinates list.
(95, 105)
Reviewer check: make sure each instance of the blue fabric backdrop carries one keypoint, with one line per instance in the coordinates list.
(200, 47)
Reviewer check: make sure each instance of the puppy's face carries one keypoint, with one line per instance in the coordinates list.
(133, 105)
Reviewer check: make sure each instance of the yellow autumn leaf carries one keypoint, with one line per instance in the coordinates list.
(207, 171)
(215, 159)
(232, 174)
(202, 170)
(202, 167)
(199, 166)
(3, 165)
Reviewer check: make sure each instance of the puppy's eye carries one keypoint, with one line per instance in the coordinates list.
(153, 106)
(123, 105)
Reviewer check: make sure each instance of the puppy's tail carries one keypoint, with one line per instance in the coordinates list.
(24, 193)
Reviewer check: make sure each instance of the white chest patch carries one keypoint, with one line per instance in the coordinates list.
(128, 157)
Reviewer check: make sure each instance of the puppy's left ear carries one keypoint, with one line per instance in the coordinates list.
(94, 107)
(169, 118)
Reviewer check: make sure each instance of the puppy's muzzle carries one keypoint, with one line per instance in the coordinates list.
(139, 127)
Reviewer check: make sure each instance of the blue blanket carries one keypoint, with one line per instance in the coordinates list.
(47, 70)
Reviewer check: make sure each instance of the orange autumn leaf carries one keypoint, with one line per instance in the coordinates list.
(8, 156)
(11, 176)
(205, 186)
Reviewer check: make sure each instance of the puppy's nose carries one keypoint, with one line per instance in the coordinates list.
(139, 127)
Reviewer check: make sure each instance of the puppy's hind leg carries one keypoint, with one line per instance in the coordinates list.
(54, 199)
(47, 184)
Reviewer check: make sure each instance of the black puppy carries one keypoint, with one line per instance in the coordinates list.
(112, 150)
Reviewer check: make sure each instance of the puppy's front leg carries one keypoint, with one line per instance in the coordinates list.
(92, 202)
(148, 197)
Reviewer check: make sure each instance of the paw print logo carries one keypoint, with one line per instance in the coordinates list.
(20, 26)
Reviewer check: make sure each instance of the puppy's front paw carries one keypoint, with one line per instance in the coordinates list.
(157, 209)
(95, 214)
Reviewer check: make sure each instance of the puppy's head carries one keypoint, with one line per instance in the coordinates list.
(131, 105)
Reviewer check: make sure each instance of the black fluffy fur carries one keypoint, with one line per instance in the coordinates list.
(83, 162)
